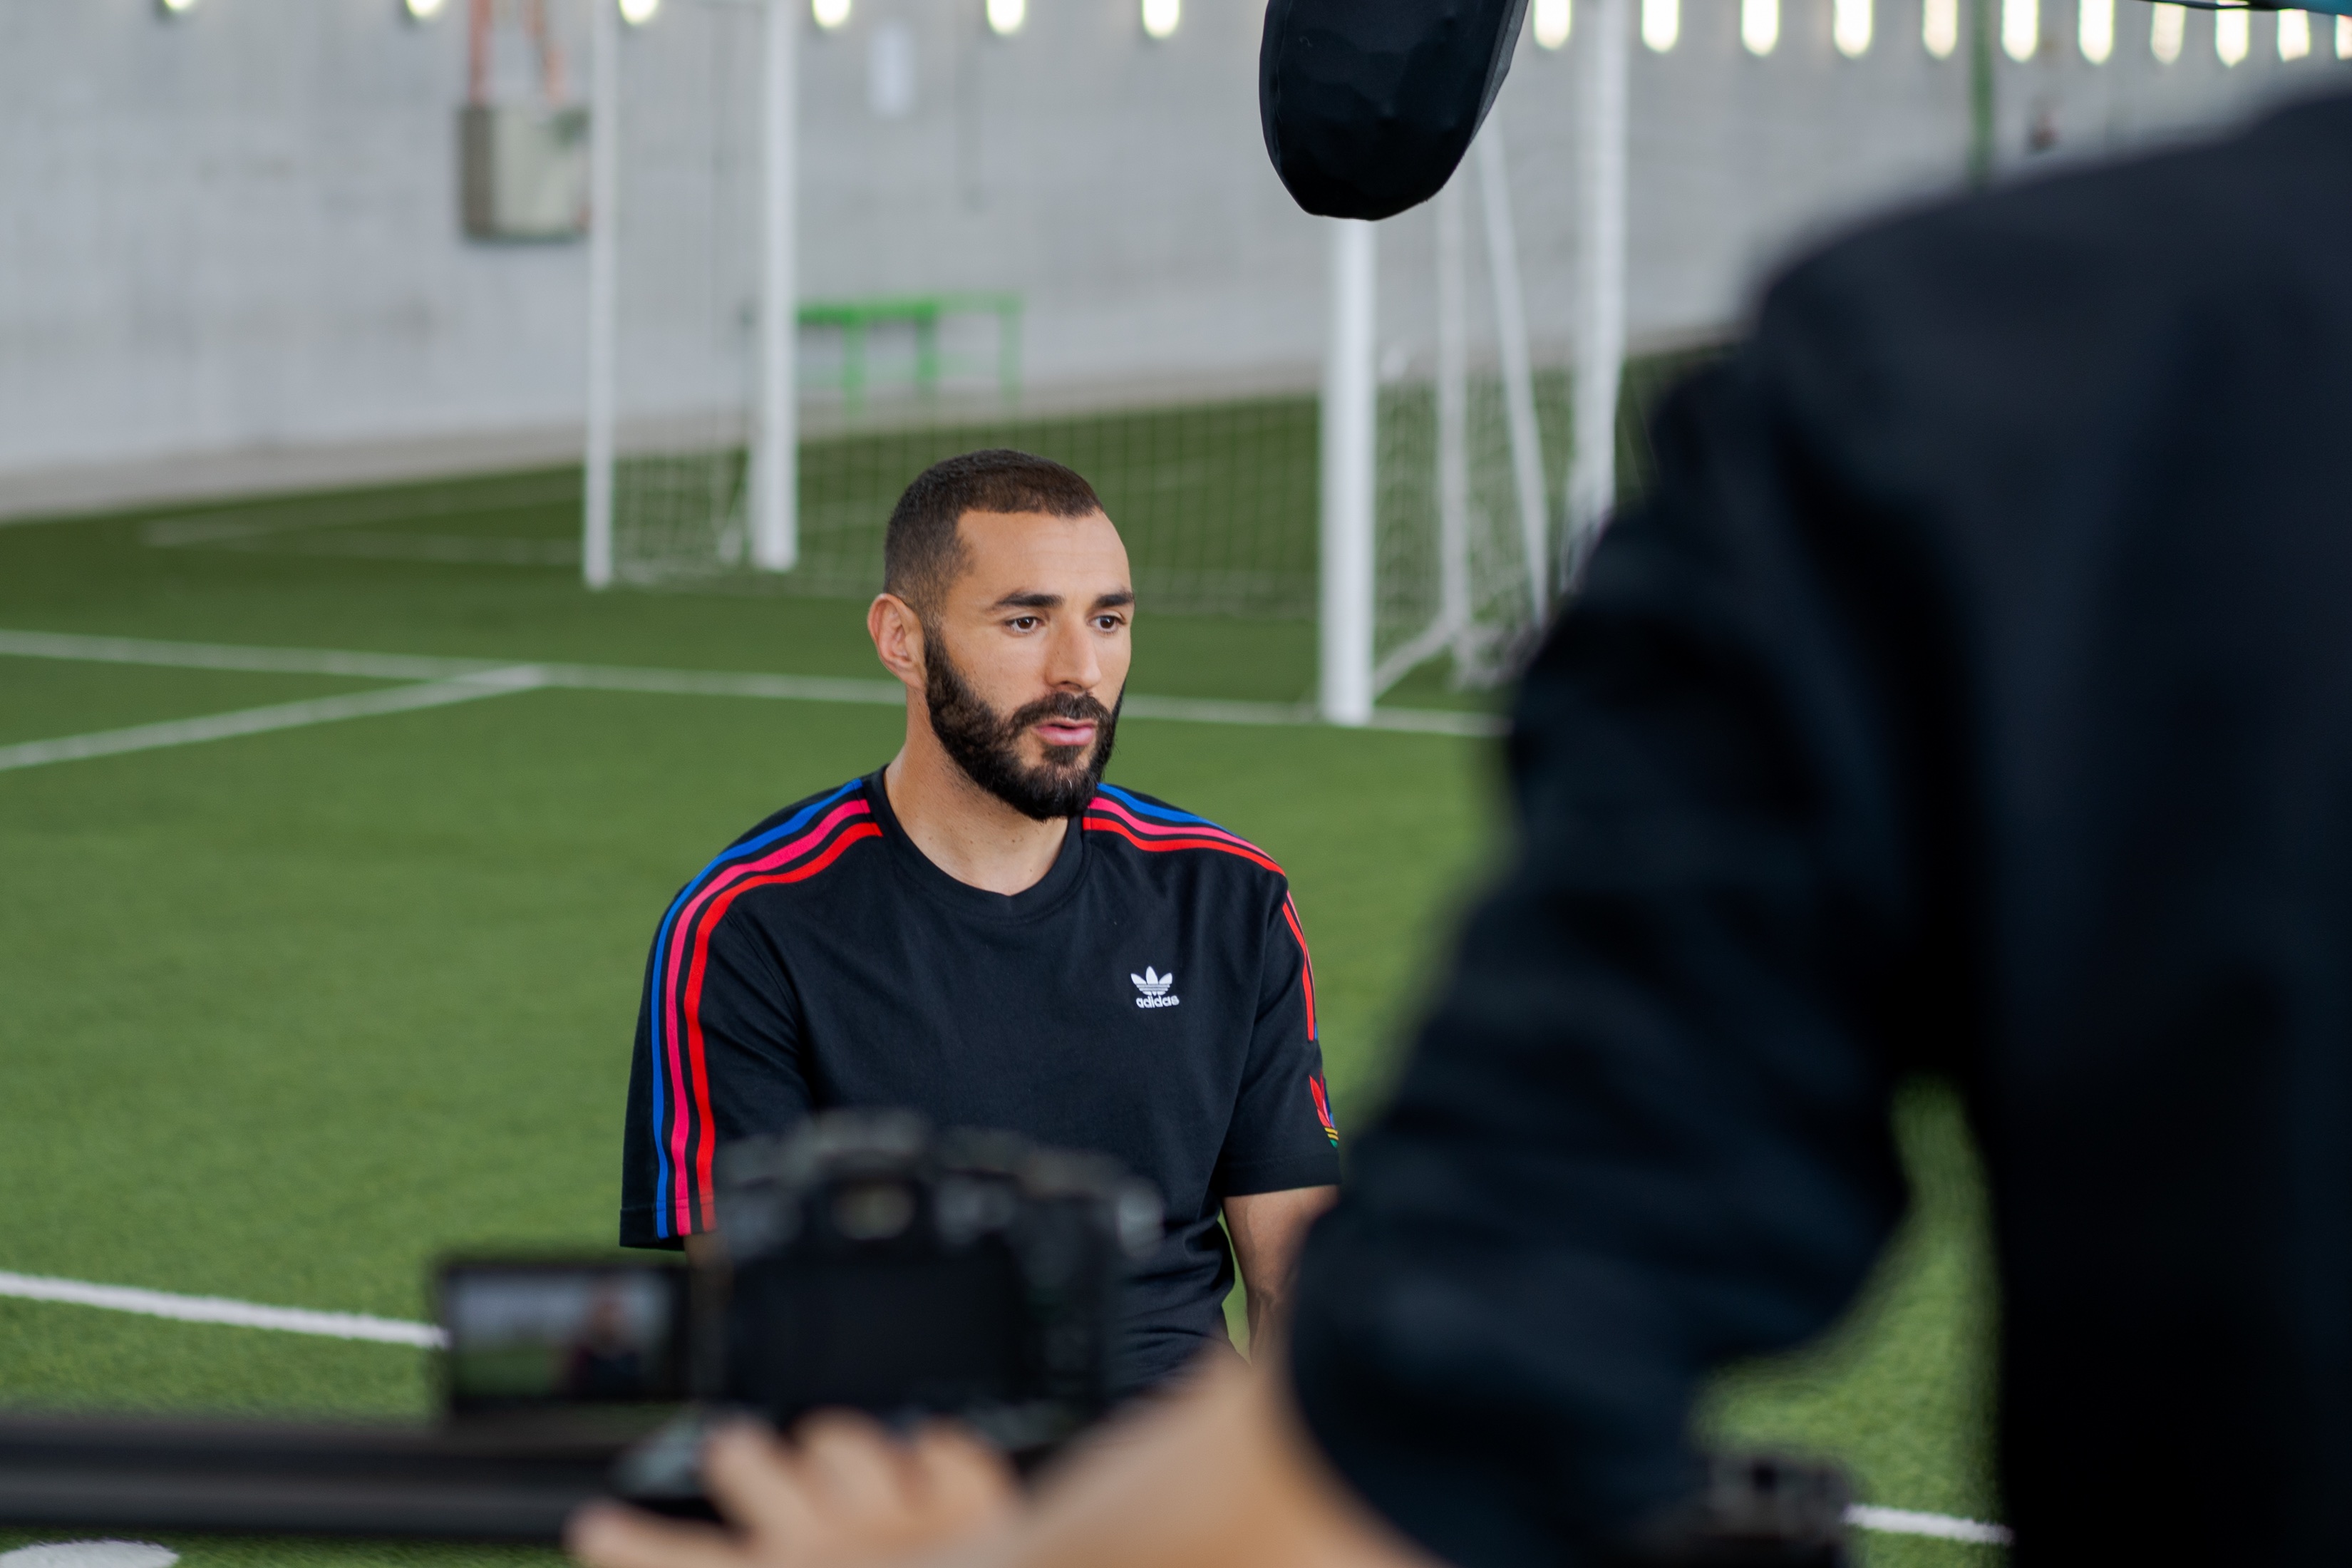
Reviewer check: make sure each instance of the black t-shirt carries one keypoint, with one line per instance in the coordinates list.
(1151, 997)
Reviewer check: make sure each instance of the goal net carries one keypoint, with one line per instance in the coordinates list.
(1472, 440)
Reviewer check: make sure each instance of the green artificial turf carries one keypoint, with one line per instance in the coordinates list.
(288, 1015)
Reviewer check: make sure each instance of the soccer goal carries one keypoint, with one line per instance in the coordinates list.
(1419, 507)
(1443, 443)
(1463, 482)
(692, 449)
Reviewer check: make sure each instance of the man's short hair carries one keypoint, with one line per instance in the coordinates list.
(921, 554)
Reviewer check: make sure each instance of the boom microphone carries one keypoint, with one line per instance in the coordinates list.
(1368, 105)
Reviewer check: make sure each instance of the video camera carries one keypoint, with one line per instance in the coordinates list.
(868, 1263)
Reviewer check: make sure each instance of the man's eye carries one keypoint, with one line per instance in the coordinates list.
(1022, 623)
(1108, 623)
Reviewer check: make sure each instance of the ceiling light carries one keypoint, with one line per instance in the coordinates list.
(174, 7)
(422, 10)
(1005, 17)
(637, 13)
(2164, 32)
(2021, 29)
(2294, 35)
(2232, 32)
(1553, 19)
(1662, 24)
(1850, 27)
(1940, 27)
(1759, 24)
(2095, 30)
(1161, 16)
(829, 13)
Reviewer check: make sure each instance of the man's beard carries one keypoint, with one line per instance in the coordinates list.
(988, 747)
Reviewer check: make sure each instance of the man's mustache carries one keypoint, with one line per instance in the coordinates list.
(1072, 705)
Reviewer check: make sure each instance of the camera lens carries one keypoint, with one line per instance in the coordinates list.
(873, 1211)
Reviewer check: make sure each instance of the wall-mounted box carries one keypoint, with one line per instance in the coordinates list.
(524, 171)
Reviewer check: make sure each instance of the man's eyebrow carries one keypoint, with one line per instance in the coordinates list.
(1037, 599)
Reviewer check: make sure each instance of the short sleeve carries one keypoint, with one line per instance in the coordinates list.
(1281, 1135)
(718, 1059)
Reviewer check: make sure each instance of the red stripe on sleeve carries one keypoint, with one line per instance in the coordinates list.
(1306, 963)
(1228, 846)
(1169, 829)
(696, 1142)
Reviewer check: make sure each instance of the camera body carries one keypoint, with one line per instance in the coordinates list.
(872, 1265)
(863, 1262)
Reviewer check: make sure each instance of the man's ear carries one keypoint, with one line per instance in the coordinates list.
(897, 634)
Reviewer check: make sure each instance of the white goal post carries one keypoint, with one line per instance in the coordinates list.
(754, 513)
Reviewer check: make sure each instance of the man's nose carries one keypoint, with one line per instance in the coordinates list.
(1074, 661)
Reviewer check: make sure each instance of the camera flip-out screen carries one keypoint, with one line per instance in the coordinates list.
(532, 1336)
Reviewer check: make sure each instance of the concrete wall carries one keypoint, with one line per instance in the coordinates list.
(236, 231)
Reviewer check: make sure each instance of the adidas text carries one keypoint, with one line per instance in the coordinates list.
(1153, 988)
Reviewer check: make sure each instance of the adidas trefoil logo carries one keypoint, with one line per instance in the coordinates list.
(1154, 987)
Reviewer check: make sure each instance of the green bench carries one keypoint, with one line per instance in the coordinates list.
(855, 319)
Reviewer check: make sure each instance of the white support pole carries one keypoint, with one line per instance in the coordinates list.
(1518, 372)
(775, 459)
(1601, 280)
(1453, 611)
(604, 296)
(1350, 414)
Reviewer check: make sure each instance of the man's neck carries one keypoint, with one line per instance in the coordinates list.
(961, 828)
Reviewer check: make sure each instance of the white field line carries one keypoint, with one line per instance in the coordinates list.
(437, 549)
(260, 720)
(221, 1309)
(228, 655)
(226, 525)
(425, 1336)
(1942, 1526)
(668, 682)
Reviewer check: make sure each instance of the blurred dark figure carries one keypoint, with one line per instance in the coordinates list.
(1972, 695)
(2042, 128)
(605, 1361)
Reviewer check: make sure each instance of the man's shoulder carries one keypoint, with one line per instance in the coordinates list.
(791, 846)
(1947, 361)
(2196, 215)
(2054, 271)
(1128, 822)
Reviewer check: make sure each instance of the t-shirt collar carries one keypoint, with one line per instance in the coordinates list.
(1049, 890)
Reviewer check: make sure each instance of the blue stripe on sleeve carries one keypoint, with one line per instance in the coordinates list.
(1145, 808)
(792, 823)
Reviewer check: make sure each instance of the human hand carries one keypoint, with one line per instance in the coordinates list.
(841, 1493)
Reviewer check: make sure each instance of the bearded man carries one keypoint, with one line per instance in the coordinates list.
(984, 932)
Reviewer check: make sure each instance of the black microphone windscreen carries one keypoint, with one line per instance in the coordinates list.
(1368, 105)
